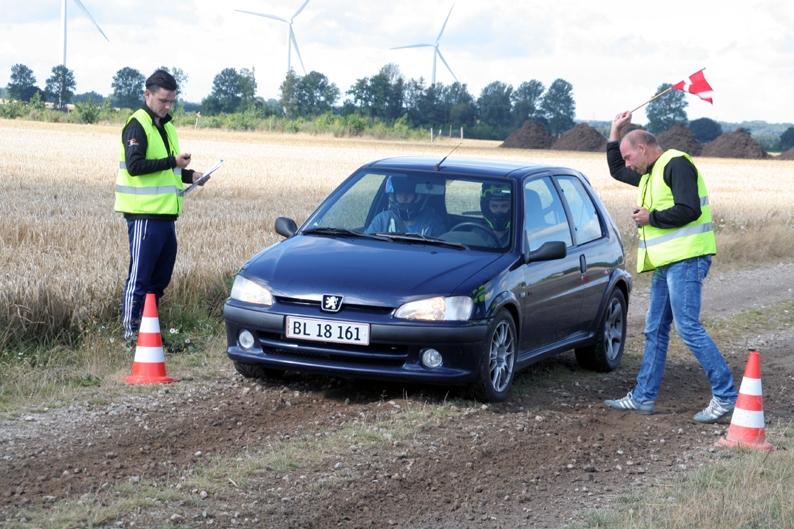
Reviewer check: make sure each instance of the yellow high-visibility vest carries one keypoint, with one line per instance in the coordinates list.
(158, 193)
(662, 246)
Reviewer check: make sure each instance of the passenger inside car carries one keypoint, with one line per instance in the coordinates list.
(408, 210)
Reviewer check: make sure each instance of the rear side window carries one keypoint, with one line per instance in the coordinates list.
(584, 217)
(544, 214)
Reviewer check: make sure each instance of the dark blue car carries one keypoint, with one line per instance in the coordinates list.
(439, 271)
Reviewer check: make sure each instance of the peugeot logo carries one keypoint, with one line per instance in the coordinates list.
(331, 303)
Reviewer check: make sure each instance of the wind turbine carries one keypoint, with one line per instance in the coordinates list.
(291, 40)
(436, 52)
(63, 25)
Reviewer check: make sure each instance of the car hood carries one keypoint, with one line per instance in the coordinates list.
(365, 272)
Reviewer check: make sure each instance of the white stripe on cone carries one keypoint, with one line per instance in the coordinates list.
(149, 325)
(149, 355)
(751, 386)
(747, 418)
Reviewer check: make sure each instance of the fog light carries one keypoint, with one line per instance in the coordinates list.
(431, 358)
(245, 339)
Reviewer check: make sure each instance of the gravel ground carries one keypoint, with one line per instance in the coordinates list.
(543, 459)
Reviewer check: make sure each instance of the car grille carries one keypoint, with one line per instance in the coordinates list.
(373, 354)
(370, 309)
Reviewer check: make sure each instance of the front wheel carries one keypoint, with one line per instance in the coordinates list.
(497, 366)
(605, 353)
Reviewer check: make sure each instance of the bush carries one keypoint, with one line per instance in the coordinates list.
(88, 112)
(12, 109)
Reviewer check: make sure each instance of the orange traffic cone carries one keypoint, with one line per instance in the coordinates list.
(747, 423)
(149, 364)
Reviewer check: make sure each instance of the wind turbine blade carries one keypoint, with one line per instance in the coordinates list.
(298, 12)
(297, 50)
(445, 24)
(413, 46)
(88, 14)
(445, 63)
(274, 17)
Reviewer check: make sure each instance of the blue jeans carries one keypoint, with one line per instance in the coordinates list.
(675, 297)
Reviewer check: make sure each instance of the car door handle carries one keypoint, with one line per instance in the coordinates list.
(582, 264)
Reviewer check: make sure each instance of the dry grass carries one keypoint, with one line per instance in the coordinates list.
(63, 251)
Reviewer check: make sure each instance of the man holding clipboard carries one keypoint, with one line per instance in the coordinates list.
(150, 194)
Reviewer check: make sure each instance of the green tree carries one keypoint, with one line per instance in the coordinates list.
(787, 139)
(232, 91)
(558, 107)
(667, 110)
(460, 109)
(526, 101)
(704, 129)
(128, 85)
(60, 86)
(380, 96)
(308, 96)
(494, 106)
(22, 85)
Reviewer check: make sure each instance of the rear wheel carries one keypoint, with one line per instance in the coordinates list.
(605, 353)
(497, 367)
(257, 370)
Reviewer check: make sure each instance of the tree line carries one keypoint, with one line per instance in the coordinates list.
(385, 98)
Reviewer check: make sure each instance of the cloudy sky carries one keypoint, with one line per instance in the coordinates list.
(614, 53)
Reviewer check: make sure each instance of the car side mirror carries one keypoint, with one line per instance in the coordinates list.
(548, 251)
(286, 227)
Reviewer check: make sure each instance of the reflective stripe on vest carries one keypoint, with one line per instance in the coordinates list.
(662, 246)
(158, 193)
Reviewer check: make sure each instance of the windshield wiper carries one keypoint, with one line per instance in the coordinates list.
(343, 232)
(416, 237)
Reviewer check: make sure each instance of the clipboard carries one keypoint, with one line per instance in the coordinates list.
(204, 178)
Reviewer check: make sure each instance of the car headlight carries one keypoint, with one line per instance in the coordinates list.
(250, 292)
(455, 308)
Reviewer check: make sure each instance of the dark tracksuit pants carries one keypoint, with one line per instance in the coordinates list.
(152, 258)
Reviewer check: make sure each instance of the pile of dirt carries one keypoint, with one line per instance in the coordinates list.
(787, 155)
(680, 137)
(531, 135)
(582, 137)
(736, 144)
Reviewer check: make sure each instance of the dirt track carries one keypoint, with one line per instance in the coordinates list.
(540, 460)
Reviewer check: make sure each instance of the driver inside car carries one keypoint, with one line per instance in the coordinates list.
(496, 204)
(408, 211)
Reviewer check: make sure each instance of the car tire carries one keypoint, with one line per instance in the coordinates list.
(497, 366)
(257, 370)
(605, 353)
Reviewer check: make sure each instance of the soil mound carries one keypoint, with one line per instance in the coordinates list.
(582, 137)
(787, 155)
(680, 137)
(531, 135)
(736, 144)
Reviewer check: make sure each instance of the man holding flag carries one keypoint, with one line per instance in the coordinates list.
(677, 240)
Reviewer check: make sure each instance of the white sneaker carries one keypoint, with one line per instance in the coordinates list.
(716, 410)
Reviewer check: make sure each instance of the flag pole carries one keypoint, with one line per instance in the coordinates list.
(660, 94)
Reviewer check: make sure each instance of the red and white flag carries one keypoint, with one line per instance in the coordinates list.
(697, 85)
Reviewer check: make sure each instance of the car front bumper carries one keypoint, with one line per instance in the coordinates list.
(394, 351)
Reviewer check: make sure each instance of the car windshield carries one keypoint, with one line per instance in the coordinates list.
(406, 207)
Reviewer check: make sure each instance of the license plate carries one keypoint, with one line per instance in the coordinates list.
(327, 330)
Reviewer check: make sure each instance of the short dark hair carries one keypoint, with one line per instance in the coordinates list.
(161, 79)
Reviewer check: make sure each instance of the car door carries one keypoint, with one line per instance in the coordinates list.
(548, 298)
(589, 250)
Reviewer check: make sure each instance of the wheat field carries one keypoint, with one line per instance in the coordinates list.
(63, 251)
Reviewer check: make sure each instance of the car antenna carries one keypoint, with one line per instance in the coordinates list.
(438, 165)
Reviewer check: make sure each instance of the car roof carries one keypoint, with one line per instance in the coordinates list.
(482, 167)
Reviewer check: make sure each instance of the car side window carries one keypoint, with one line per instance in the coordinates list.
(586, 223)
(544, 214)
